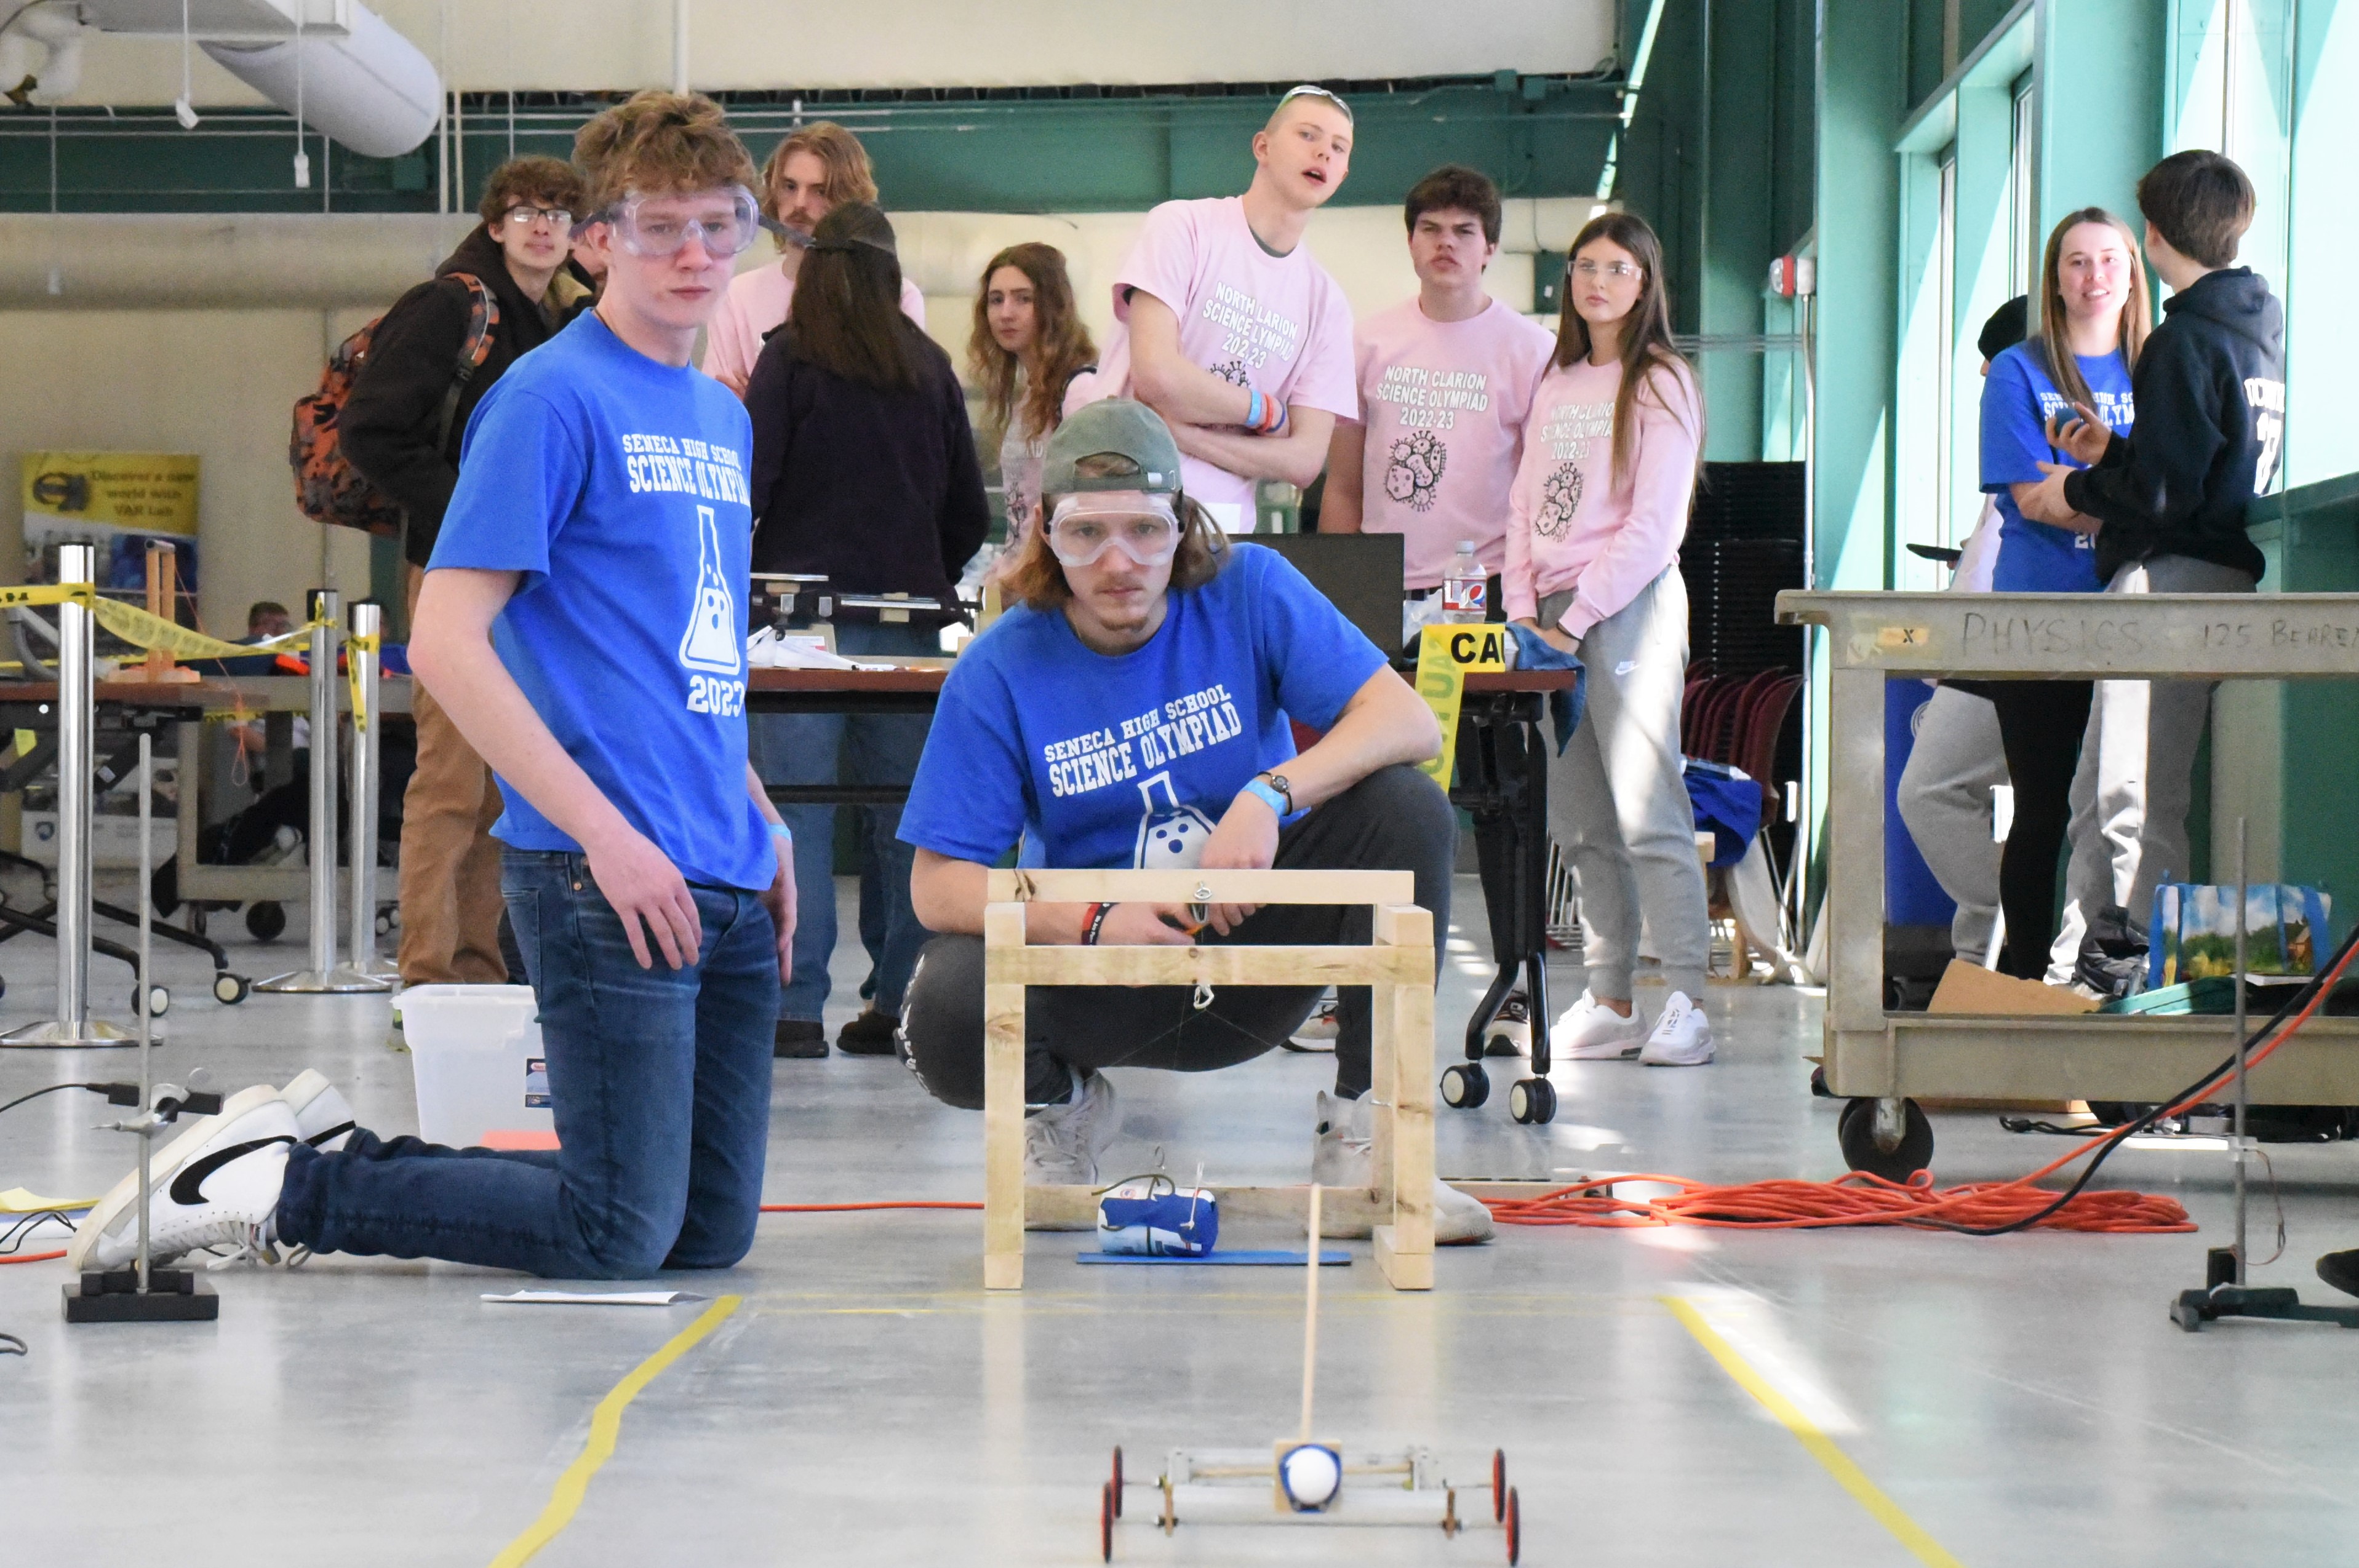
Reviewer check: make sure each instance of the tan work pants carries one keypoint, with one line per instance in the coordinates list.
(449, 862)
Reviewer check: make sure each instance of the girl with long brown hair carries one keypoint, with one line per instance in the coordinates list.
(1028, 345)
(1595, 517)
(2093, 317)
(865, 473)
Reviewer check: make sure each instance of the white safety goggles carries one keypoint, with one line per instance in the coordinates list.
(1142, 524)
(725, 221)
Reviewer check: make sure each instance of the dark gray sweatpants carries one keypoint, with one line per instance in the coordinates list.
(1395, 819)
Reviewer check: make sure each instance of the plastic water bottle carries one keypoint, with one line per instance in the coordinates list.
(1465, 587)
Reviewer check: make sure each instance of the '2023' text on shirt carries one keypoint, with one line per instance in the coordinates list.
(617, 487)
(1101, 759)
(1444, 404)
(2018, 399)
(1279, 323)
(1573, 523)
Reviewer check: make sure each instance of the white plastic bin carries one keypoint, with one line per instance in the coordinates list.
(477, 1053)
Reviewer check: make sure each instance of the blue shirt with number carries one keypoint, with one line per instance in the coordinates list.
(617, 487)
(1101, 759)
(2018, 399)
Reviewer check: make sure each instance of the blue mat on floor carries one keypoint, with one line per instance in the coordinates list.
(1332, 1257)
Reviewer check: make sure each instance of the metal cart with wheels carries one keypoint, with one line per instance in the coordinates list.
(1884, 1062)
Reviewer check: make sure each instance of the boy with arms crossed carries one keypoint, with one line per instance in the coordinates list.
(579, 623)
(1229, 329)
(1445, 380)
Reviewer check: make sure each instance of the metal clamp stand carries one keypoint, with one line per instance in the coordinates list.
(323, 977)
(368, 778)
(73, 1028)
(145, 1294)
(2226, 1291)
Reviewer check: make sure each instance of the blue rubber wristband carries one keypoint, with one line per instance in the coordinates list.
(1254, 409)
(1267, 797)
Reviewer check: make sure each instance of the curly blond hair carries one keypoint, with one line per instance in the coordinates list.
(655, 141)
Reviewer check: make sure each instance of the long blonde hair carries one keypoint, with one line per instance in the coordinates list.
(1648, 351)
(2055, 325)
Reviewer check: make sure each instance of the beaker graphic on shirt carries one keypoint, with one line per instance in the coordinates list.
(714, 640)
(1171, 836)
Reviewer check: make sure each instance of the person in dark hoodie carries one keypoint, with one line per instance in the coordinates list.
(864, 471)
(394, 432)
(2168, 506)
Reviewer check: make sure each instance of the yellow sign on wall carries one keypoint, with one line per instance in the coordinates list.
(115, 502)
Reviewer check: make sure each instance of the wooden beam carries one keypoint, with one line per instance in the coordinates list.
(1184, 887)
(1218, 966)
(1002, 1102)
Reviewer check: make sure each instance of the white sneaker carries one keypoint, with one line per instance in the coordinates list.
(112, 1216)
(321, 1114)
(1589, 1030)
(1681, 1038)
(1343, 1154)
(221, 1191)
(1318, 1032)
(1061, 1142)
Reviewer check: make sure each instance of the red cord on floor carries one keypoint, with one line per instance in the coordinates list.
(1860, 1199)
(34, 1257)
(849, 1207)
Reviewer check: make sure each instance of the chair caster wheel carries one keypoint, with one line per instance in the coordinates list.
(158, 1000)
(1532, 1101)
(1465, 1086)
(265, 920)
(1855, 1131)
(230, 990)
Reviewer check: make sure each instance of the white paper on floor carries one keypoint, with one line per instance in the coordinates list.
(588, 1298)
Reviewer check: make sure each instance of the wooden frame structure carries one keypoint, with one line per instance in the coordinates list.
(1397, 964)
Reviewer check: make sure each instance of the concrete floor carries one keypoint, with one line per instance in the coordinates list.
(2020, 1401)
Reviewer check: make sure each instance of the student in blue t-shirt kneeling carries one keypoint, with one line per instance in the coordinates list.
(1133, 712)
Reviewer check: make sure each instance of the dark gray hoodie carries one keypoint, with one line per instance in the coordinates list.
(2209, 386)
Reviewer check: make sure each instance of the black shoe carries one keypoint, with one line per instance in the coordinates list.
(870, 1034)
(2341, 1269)
(800, 1037)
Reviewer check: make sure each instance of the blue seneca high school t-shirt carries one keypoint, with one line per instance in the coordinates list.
(618, 487)
(1130, 758)
(2017, 400)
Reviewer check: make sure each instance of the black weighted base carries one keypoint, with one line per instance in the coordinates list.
(2193, 1309)
(176, 1296)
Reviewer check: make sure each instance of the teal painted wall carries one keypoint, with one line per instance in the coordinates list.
(1536, 135)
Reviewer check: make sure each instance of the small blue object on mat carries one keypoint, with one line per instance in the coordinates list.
(1331, 1257)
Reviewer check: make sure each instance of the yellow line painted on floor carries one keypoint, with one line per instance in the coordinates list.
(605, 1428)
(1824, 1449)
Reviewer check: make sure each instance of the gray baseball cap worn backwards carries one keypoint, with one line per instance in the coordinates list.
(1114, 428)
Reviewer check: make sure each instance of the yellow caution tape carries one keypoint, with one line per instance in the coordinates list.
(1444, 656)
(141, 630)
(354, 647)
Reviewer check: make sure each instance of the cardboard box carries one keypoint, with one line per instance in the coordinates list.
(1969, 987)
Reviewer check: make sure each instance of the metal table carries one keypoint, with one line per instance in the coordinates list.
(1891, 1057)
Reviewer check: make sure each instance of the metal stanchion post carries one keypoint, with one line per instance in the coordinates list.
(324, 976)
(77, 717)
(368, 771)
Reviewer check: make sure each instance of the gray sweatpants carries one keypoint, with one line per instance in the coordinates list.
(2137, 773)
(1618, 796)
(1945, 799)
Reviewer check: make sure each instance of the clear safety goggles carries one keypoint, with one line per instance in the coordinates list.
(1085, 526)
(725, 222)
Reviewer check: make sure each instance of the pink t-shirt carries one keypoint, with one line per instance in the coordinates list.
(756, 302)
(1444, 404)
(1279, 323)
(1572, 523)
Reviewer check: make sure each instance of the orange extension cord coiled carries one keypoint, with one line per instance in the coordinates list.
(1861, 1199)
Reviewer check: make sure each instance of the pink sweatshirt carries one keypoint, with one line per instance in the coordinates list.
(1570, 525)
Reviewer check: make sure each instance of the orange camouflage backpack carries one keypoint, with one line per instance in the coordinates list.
(328, 488)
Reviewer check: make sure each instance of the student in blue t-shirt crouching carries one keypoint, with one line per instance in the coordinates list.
(1133, 712)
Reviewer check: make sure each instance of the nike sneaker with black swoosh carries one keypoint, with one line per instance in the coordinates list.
(321, 1114)
(222, 1192)
(114, 1214)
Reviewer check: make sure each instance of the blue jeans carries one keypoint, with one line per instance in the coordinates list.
(850, 748)
(660, 1083)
